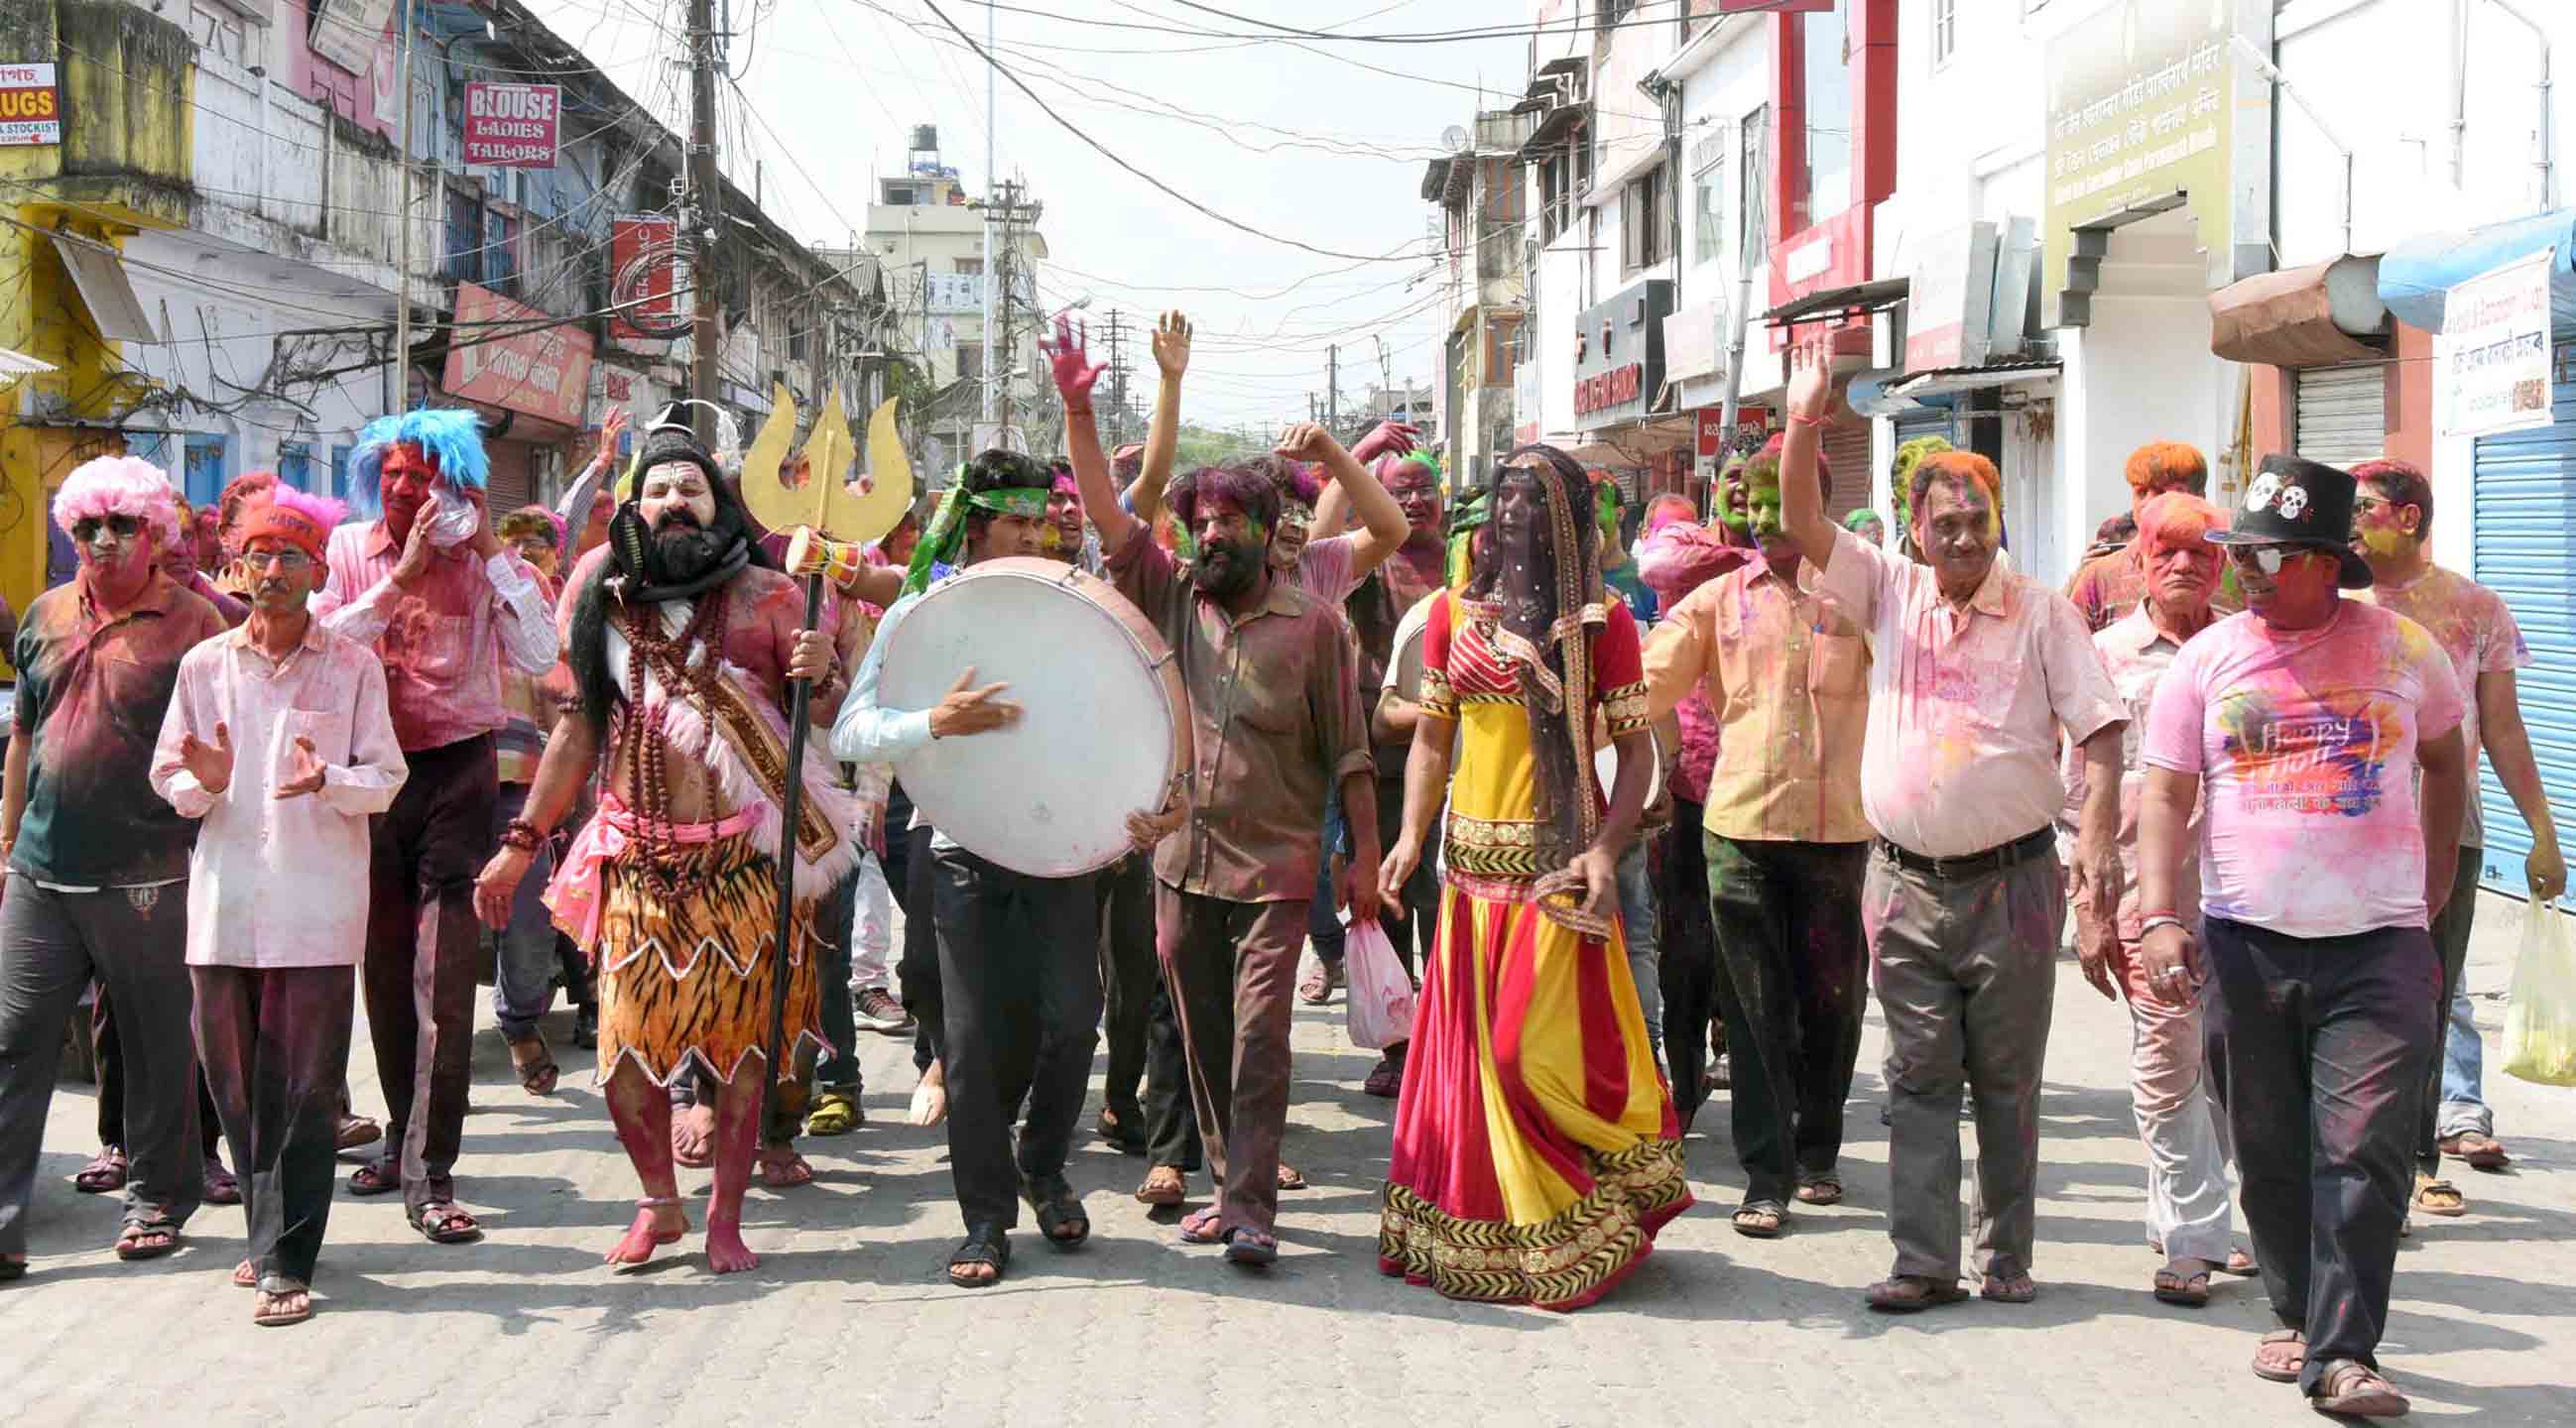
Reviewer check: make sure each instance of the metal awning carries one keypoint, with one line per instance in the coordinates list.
(2315, 316)
(2416, 276)
(99, 272)
(1553, 126)
(1435, 180)
(1940, 381)
(14, 363)
(1877, 296)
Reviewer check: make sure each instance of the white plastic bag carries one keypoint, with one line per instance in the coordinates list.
(2540, 1022)
(1379, 997)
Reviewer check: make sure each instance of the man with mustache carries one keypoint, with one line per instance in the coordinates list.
(1973, 672)
(682, 642)
(2393, 532)
(1276, 714)
(429, 586)
(2300, 727)
(97, 864)
(279, 740)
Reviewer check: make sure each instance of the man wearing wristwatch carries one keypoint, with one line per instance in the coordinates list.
(1974, 670)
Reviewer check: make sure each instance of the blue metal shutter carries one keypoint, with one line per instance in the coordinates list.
(2526, 552)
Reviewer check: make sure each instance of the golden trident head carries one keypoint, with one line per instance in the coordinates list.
(820, 499)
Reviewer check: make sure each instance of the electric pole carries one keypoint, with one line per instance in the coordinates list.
(1117, 377)
(1333, 390)
(1004, 214)
(706, 195)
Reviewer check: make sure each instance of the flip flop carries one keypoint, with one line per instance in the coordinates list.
(1749, 1221)
(2440, 1197)
(1913, 1293)
(1824, 1189)
(1199, 1227)
(784, 1169)
(2288, 1373)
(2009, 1289)
(1160, 1189)
(274, 1287)
(2173, 1286)
(2479, 1150)
(834, 1113)
(148, 1239)
(1289, 1179)
(1250, 1248)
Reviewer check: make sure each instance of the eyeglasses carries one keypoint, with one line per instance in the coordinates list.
(2267, 558)
(86, 529)
(286, 560)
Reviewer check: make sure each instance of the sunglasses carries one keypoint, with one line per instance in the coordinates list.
(2268, 558)
(86, 529)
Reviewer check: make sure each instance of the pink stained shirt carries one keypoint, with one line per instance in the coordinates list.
(2304, 742)
(2137, 654)
(1675, 559)
(1965, 706)
(280, 882)
(444, 640)
(2472, 625)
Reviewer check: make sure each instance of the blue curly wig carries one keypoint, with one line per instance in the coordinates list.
(450, 437)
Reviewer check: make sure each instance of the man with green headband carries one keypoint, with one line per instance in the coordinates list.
(1018, 973)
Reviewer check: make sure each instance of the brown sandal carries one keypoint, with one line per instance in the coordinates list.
(2287, 1368)
(535, 1065)
(1913, 1293)
(1164, 1185)
(2352, 1389)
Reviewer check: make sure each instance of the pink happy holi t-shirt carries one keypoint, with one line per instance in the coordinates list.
(2306, 744)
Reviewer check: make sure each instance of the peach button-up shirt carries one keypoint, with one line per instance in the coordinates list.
(1965, 704)
(1787, 678)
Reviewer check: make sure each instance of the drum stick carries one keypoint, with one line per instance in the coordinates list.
(799, 696)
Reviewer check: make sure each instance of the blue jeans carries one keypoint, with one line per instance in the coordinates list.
(1323, 913)
(2464, 1109)
(1637, 918)
(524, 960)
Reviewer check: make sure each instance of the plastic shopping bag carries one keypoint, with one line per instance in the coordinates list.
(1379, 997)
(2540, 1022)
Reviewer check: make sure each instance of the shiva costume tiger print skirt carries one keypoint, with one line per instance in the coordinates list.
(687, 977)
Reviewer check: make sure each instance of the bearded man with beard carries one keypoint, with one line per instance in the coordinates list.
(430, 588)
(681, 640)
(1275, 706)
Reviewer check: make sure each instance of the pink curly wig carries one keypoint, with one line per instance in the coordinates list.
(120, 486)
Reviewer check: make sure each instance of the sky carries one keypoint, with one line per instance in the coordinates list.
(1293, 139)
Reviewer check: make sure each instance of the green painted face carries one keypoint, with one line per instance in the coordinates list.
(1605, 509)
(1762, 508)
(1734, 510)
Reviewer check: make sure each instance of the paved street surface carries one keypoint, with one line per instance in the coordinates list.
(849, 1320)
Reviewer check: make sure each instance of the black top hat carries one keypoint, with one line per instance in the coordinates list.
(2296, 502)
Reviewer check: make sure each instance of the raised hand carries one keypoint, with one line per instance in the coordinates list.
(212, 764)
(1172, 345)
(1069, 359)
(307, 771)
(1307, 441)
(1387, 438)
(1811, 387)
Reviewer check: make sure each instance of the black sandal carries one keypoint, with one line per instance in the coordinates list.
(985, 1244)
(1056, 1206)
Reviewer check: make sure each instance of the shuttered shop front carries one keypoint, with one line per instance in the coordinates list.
(2526, 521)
(2343, 413)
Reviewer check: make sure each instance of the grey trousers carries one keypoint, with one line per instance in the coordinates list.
(135, 941)
(1965, 969)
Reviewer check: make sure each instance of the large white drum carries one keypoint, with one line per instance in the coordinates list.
(1104, 727)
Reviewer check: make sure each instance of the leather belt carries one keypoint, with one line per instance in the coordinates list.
(1971, 865)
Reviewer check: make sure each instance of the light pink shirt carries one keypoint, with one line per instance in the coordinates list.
(280, 882)
(2136, 654)
(2304, 742)
(1327, 569)
(1965, 706)
(443, 640)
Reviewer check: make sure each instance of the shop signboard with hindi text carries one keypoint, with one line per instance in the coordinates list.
(31, 105)
(512, 126)
(2493, 351)
(507, 354)
(644, 282)
(345, 31)
(2146, 111)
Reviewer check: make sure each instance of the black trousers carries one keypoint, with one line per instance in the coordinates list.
(1795, 959)
(1129, 974)
(908, 877)
(1018, 964)
(2325, 1041)
(273, 1044)
(1171, 1117)
(108, 1048)
(1694, 989)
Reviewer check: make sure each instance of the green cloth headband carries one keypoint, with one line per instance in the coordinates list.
(947, 533)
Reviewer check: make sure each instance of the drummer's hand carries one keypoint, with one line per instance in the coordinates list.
(1600, 870)
(1359, 886)
(1146, 828)
(811, 657)
(971, 711)
(1398, 868)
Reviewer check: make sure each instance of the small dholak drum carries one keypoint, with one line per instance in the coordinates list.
(1104, 726)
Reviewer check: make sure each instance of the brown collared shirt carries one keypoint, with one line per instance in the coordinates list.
(1275, 714)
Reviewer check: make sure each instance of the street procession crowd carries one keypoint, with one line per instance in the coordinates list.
(1640, 818)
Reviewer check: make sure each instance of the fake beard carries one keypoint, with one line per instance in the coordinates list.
(681, 551)
(1226, 569)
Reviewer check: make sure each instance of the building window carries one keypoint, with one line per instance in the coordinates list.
(1749, 140)
(501, 252)
(1708, 209)
(1614, 11)
(901, 195)
(1825, 104)
(970, 361)
(1506, 192)
(1579, 143)
(1502, 351)
(1945, 31)
(1645, 220)
(970, 265)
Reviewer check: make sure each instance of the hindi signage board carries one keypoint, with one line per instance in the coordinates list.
(31, 106)
(345, 31)
(512, 126)
(507, 354)
(2495, 349)
(644, 280)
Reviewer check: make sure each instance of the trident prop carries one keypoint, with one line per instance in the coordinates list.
(818, 502)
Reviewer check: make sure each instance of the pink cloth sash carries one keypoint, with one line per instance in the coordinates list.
(579, 887)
